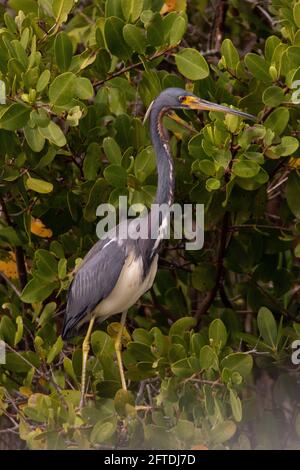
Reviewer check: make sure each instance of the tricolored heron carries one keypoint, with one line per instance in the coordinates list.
(117, 271)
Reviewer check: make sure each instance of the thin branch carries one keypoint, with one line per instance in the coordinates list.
(276, 304)
(38, 372)
(154, 56)
(260, 226)
(218, 26)
(281, 181)
(21, 266)
(10, 284)
(264, 13)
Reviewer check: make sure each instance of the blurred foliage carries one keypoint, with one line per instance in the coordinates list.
(208, 350)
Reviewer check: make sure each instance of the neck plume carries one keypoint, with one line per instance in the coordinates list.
(165, 166)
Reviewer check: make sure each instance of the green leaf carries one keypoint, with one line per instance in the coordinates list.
(267, 326)
(92, 161)
(292, 193)
(191, 64)
(27, 6)
(7, 330)
(55, 350)
(95, 195)
(212, 184)
(258, 67)
(278, 120)
(61, 10)
(83, 88)
(208, 358)
(185, 430)
(273, 96)
(46, 265)
(62, 89)
(177, 30)
(34, 139)
(2, 92)
(19, 332)
(141, 352)
(238, 362)
(102, 431)
(36, 291)
(135, 38)
(296, 13)
(205, 166)
(113, 8)
(182, 368)
(270, 46)
(230, 54)
(113, 31)
(39, 118)
(204, 277)
(102, 344)
(217, 333)
(112, 150)
(43, 81)
(22, 362)
(250, 133)
(246, 168)
(54, 134)
(62, 268)
(222, 432)
(132, 9)
(122, 399)
(63, 50)
(182, 325)
(155, 30)
(102, 63)
(116, 176)
(177, 352)
(145, 163)
(287, 146)
(69, 369)
(14, 117)
(10, 236)
(236, 406)
(39, 186)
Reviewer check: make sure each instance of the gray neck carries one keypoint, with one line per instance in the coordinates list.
(165, 166)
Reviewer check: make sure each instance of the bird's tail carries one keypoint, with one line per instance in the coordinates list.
(69, 327)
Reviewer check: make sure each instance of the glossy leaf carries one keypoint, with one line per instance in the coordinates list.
(63, 51)
(192, 64)
(14, 117)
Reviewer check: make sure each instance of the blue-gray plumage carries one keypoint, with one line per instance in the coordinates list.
(102, 267)
(117, 271)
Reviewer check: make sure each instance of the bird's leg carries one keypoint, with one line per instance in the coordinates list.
(118, 348)
(85, 353)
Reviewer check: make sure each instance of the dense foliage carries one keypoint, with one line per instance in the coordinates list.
(207, 351)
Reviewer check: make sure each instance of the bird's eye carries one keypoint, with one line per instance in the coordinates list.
(181, 99)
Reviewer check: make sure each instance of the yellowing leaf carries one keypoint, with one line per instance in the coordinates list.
(294, 162)
(173, 5)
(113, 330)
(39, 186)
(9, 266)
(25, 391)
(38, 228)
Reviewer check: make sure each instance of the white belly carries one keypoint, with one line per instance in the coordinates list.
(129, 287)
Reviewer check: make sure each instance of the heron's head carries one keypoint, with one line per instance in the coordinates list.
(177, 98)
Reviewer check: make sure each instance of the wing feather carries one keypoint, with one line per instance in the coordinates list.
(93, 282)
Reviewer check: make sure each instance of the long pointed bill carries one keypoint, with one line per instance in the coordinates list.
(197, 103)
